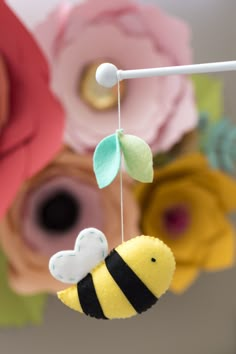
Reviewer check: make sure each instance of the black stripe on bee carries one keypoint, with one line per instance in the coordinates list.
(88, 298)
(140, 297)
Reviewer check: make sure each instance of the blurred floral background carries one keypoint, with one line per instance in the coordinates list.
(52, 116)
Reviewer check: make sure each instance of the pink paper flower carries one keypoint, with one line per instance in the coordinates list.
(130, 35)
(49, 212)
(31, 120)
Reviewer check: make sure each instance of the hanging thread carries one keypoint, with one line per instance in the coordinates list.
(121, 175)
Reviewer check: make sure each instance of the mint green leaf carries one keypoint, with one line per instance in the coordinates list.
(209, 97)
(106, 160)
(137, 156)
(16, 310)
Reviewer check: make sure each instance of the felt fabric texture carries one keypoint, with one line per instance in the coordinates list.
(138, 294)
(186, 207)
(16, 310)
(138, 254)
(165, 104)
(136, 153)
(28, 265)
(4, 93)
(29, 139)
(107, 160)
(209, 95)
(137, 157)
(71, 266)
(88, 298)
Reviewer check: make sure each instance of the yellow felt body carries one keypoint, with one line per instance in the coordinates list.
(138, 254)
(111, 298)
(70, 298)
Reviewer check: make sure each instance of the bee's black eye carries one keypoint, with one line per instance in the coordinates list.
(153, 259)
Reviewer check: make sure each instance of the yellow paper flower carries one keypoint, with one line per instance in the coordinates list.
(186, 207)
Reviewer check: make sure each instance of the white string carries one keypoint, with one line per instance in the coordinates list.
(119, 114)
(121, 176)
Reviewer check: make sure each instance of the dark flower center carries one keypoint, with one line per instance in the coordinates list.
(59, 212)
(176, 220)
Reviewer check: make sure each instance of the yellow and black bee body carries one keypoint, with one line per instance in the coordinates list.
(127, 282)
(136, 292)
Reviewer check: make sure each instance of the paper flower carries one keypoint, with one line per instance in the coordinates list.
(130, 35)
(31, 120)
(186, 207)
(187, 145)
(4, 93)
(49, 212)
(218, 141)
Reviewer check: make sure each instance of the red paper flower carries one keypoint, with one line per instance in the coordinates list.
(31, 122)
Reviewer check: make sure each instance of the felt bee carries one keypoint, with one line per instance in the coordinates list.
(126, 282)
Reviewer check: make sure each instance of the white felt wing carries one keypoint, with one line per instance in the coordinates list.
(71, 266)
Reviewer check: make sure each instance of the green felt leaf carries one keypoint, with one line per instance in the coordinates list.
(16, 310)
(107, 160)
(137, 156)
(208, 91)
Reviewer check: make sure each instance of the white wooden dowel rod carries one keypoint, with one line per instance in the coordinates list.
(108, 75)
(177, 70)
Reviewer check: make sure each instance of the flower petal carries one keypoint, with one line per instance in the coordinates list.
(184, 276)
(34, 130)
(161, 27)
(85, 14)
(50, 33)
(11, 176)
(185, 119)
(190, 245)
(225, 187)
(221, 250)
(186, 166)
(4, 93)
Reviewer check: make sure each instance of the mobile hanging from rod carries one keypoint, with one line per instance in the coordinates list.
(108, 74)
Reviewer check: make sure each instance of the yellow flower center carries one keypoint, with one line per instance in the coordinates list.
(96, 96)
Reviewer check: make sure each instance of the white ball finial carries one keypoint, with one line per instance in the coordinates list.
(106, 75)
